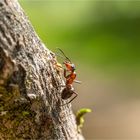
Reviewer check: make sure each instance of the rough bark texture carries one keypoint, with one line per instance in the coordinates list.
(30, 92)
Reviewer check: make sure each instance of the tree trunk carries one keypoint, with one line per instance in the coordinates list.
(30, 91)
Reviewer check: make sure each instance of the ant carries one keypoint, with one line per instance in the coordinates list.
(68, 91)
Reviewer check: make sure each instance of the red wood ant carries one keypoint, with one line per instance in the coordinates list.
(68, 91)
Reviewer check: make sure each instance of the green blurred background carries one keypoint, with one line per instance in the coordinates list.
(102, 38)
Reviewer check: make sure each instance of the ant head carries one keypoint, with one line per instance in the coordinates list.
(70, 66)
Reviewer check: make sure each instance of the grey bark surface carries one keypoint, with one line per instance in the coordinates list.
(30, 92)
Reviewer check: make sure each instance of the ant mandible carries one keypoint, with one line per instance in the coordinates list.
(68, 91)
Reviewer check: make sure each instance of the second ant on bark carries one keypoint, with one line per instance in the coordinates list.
(68, 91)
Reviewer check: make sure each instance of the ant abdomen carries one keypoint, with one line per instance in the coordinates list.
(66, 93)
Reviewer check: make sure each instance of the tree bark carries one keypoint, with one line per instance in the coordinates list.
(30, 91)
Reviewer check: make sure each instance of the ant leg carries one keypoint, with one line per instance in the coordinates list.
(73, 97)
(76, 81)
(62, 86)
(65, 73)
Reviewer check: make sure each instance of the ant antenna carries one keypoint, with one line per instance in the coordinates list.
(60, 56)
(64, 54)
